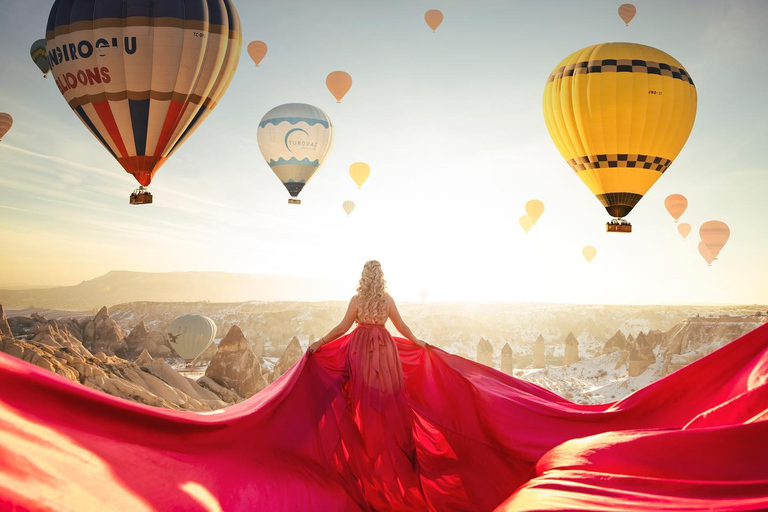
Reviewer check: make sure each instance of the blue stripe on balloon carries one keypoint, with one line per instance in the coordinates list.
(82, 10)
(195, 10)
(294, 161)
(234, 20)
(107, 9)
(52, 16)
(137, 8)
(170, 9)
(190, 126)
(62, 13)
(87, 121)
(140, 122)
(216, 13)
(293, 120)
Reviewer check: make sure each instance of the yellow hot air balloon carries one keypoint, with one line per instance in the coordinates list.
(706, 254)
(348, 206)
(359, 172)
(589, 252)
(526, 222)
(339, 83)
(684, 229)
(433, 17)
(257, 50)
(676, 205)
(534, 208)
(714, 234)
(619, 113)
(627, 12)
(6, 121)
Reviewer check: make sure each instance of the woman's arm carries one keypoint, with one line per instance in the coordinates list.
(342, 328)
(401, 327)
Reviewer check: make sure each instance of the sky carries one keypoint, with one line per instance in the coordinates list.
(451, 124)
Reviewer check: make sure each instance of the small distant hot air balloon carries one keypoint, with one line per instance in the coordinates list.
(714, 234)
(627, 12)
(706, 254)
(359, 171)
(608, 108)
(434, 18)
(40, 56)
(339, 83)
(349, 207)
(676, 205)
(191, 335)
(138, 77)
(6, 121)
(534, 208)
(295, 140)
(589, 252)
(424, 294)
(526, 222)
(684, 229)
(106, 288)
(257, 50)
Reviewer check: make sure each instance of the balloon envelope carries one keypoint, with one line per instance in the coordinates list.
(137, 77)
(434, 18)
(676, 205)
(339, 83)
(589, 252)
(705, 253)
(295, 139)
(684, 229)
(194, 333)
(40, 56)
(348, 206)
(359, 171)
(714, 234)
(534, 208)
(6, 121)
(423, 294)
(619, 113)
(257, 50)
(627, 12)
(526, 222)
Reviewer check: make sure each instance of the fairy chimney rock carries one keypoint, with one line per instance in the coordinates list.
(641, 355)
(538, 352)
(236, 366)
(616, 342)
(571, 349)
(484, 352)
(507, 359)
(5, 329)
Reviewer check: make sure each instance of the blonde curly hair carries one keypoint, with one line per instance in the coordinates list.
(372, 292)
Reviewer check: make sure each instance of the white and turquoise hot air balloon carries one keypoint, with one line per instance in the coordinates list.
(295, 140)
(191, 335)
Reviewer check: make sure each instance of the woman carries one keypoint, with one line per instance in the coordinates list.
(376, 395)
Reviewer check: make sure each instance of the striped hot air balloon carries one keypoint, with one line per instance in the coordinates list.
(143, 75)
(295, 140)
(348, 206)
(714, 234)
(40, 56)
(676, 204)
(619, 113)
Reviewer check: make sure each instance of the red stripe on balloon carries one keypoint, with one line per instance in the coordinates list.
(105, 114)
(169, 126)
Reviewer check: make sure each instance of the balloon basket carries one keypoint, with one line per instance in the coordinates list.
(141, 196)
(618, 226)
(294, 201)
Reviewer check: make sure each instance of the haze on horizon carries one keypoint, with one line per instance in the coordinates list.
(451, 124)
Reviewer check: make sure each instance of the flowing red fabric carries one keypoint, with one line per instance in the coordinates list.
(339, 432)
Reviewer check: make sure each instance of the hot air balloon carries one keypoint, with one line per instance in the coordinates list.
(295, 140)
(714, 234)
(526, 222)
(191, 335)
(534, 208)
(6, 121)
(627, 12)
(684, 229)
(424, 294)
(348, 206)
(339, 83)
(40, 57)
(359, 172)
(619, 113)
(589, 252)
(257, 50)
(137, 75)
(706, 254)
(676, 205)
(434, 18)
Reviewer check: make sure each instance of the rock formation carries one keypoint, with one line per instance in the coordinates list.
(484, 352)
(655, 338)
(291, 354)
(616, 342)
(641, 355)
(538, 353)
(141, 339)
(571, 350)
(507, 359)
(102, 334)
(5, 329)
(630, 339)
(236, 366)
